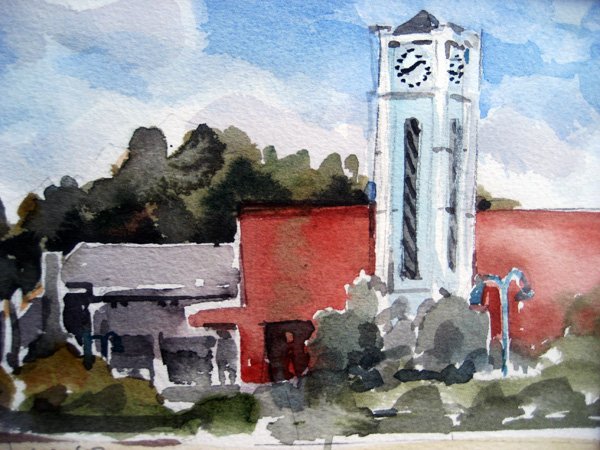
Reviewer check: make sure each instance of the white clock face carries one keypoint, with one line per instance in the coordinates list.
(457, 62)
(413, 65)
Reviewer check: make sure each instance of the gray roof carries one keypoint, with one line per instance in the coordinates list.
(423, 22)
(183, 270)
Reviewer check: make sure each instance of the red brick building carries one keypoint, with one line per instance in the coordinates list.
(294, 261)
(559, 251)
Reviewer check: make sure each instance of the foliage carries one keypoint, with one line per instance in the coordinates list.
(420, 411)
(492, 409)
(450, 333)
(241, 183)
(222, 415)
(61, 383)
(192, 195)
(7, 389)
(583, 315)
(196, 162)
(4, 226)
(485, 201)
(349, 341)
(322, 422)
(62, 394)
(19, 263)
(565, 394)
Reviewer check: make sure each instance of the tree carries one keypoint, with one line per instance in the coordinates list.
(4, 226)
(19, 263)
(238, 144)
(294, 173)
(192, 195)
(485, 201)
(48, 216)
(351, 164)
(242, 183)
(196, 162)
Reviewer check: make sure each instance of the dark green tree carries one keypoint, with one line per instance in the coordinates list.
(19, 263)
(196, 162)
(242, 183)
(4, 226)
(49, 214)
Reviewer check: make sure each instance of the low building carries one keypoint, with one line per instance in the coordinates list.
(128, 303)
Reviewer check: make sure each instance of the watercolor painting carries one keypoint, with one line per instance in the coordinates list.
(247, 223)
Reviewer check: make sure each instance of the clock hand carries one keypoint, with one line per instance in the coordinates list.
(411, 68)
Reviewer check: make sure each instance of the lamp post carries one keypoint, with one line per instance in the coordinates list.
(525, 293)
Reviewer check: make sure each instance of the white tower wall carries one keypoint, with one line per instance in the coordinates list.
(416, 81)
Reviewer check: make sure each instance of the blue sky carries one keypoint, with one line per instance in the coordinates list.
(78, 76)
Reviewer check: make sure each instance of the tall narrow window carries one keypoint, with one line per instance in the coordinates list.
(410, 262)
(456, 144)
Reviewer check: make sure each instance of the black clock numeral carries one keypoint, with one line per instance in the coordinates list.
(412, 68)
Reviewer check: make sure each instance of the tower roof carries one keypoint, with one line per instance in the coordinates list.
(423, 22)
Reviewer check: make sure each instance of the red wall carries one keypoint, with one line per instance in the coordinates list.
(295, 262)
(559, 252)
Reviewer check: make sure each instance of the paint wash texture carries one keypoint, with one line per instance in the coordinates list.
(258, 223)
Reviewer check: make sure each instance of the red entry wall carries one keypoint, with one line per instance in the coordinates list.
(295, 261)
(559, 252)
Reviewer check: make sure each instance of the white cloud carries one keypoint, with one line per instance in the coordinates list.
(557, 101)
(54, 123)
(82, 5)
(134, 31)
(513, 21)
(525, 145)
(571, 11)
(66, 123)
(523, 159)
(533, 190)
(284, 128)
(563, 46)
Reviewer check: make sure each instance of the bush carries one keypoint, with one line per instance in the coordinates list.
(223, 415)
(61, 383)
(349, 341)
(583, 316)
(7, 389)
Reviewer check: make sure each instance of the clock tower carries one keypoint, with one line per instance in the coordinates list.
(425, 158)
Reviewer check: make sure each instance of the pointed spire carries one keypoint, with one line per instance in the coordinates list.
(421, 23)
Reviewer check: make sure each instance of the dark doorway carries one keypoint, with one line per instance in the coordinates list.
(285, 347)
